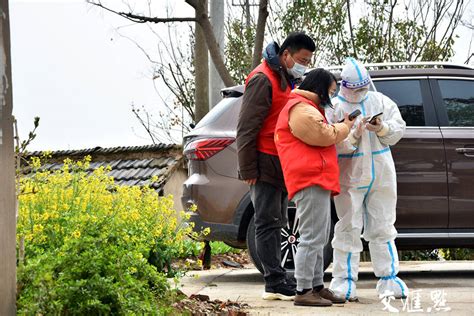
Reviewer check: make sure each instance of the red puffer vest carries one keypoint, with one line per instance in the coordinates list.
(265, 140)
(304, 165)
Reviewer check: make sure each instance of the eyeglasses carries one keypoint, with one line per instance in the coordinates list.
(302, 61)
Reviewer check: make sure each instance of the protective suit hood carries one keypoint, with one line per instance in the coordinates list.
(355, 81)
(354, 75)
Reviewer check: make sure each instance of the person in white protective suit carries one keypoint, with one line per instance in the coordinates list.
(368, 195)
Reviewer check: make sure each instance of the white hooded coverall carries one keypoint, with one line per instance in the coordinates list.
(368, 188)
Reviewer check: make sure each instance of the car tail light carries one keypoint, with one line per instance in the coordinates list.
(203, 149)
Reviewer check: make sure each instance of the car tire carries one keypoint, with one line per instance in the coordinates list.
(289, 243)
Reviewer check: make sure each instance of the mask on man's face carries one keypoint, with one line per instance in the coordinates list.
(297, 71)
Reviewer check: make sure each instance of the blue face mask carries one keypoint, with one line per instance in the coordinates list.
(298, 70)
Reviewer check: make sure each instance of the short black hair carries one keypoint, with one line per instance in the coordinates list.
(296, 41)
(318, 81)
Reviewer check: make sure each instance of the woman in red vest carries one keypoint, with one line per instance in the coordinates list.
(306, 147)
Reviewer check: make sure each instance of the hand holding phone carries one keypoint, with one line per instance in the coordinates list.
(373, 119)
(352, 116)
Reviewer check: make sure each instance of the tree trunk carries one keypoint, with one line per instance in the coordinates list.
(201, 65)
(203, 20)
(351, 28)
(260, 32)
(7, 174)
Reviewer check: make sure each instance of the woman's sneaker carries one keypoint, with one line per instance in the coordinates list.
(281, 291)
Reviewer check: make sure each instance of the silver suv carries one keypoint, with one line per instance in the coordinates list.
(434, 162)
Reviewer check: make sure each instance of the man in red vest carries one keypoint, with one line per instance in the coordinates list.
(267, 90)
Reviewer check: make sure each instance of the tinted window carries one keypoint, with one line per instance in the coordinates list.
(458, 97)
(407, 95)
(216, 112)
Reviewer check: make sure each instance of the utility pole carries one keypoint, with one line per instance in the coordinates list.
(217, 22)
(7, 173)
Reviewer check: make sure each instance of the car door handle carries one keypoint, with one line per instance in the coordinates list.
(465, 151)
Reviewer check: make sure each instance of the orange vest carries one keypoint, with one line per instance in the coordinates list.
(265, 142)
(304, 165)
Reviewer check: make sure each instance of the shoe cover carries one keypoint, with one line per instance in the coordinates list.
(344, 288)
(345, 273)
(392, 286)
(384, 258)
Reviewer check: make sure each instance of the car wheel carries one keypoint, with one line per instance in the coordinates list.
(289, 243)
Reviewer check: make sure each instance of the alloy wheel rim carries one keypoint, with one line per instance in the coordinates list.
(289, 240)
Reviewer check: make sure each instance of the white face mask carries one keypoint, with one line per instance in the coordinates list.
(354, 95)
(298, 70)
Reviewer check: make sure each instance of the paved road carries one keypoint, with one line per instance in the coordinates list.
(453, 281)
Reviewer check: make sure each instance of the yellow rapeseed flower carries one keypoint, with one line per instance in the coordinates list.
(135, 215)
(38, 228)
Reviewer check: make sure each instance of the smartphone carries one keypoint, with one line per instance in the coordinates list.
(372, 119)
(352, 116)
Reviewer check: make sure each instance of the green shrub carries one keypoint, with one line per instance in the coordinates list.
(194, 248)
(457, 253)
(89, 246)
(419, 255)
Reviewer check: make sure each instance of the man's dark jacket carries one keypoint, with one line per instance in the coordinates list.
(256, 105)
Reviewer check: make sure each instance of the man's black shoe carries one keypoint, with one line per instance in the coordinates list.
(280, 291)
(291, 281)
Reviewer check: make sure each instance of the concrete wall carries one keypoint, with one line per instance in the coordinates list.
(174, 186)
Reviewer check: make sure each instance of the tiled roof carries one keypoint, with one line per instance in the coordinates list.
(110, 150)
(130, 165)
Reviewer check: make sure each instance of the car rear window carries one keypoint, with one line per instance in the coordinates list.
(216, 112)
(458, 97)
(407, 95)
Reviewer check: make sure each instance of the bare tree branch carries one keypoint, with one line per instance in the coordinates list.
(139, 47)
(142, 122)
(201, 18)
(455, 17)
(179, 89)
(469, 59)
(440, 9)
(140, 18)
